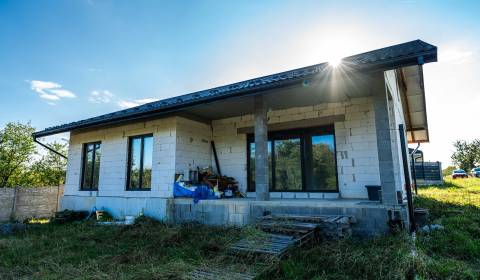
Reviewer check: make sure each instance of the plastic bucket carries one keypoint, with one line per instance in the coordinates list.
(420, 216)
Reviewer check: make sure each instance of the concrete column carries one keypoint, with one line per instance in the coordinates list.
(384, 143)
(261, 150)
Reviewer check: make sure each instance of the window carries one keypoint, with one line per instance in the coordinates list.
(140, 150)
(322, 166)
(299, 160)
(90, 166)
(288, 164)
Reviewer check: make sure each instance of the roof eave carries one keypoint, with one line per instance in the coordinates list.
(410, 60)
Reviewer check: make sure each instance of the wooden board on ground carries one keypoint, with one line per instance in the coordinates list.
(271, 244)
(281, 233)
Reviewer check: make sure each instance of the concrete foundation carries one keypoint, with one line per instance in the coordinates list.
(119, 207)
(372, 217)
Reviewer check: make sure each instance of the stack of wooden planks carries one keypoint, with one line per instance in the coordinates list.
(329, 226)
(281, 232)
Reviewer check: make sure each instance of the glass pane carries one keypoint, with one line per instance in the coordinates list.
(147, 162)
(96, 168)
(288, 166)
(135, 150)
(323, 163)
(87, 167)
(252, 166)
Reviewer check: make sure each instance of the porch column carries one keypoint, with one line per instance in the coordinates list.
(261, 149)
(384, 144)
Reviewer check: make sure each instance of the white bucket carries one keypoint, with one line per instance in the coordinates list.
(129, 220)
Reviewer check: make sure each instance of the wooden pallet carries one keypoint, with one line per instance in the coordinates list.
(329, 226)
(271, 244)
(282, 233)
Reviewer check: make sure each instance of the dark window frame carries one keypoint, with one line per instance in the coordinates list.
(84, 157)
(303, 134)
(129, 161)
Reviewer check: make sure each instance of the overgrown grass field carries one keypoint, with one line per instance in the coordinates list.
(150, 250)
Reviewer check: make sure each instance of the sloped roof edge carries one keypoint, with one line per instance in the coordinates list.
(405, 54)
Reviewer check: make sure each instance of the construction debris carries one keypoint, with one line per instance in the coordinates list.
(328, 226)
(280, 234)
(67, 216)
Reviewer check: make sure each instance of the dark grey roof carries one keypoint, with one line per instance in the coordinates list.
(410, 53)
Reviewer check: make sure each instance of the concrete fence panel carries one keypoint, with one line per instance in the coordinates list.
(22, 203)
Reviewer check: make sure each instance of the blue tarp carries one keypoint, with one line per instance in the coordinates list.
(201, 192)
(179, 191)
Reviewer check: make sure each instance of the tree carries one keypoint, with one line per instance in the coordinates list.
(16, 151)
(49, 170)
(448, 171)
(467, 154)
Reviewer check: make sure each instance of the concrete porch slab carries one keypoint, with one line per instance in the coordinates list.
(371, 216)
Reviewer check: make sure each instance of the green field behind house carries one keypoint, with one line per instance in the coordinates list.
(150, 250)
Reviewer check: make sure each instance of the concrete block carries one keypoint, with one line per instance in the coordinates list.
(242, 208)
(236, 219)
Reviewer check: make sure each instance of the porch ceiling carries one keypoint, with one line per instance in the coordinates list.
(414, 105)
(330, 85)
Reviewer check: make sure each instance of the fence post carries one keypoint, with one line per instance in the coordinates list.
(58, 196)
(14, 204)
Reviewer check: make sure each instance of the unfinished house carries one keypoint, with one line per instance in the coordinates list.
(309, 141)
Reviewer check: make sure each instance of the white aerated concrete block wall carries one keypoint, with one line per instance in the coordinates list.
(193, 146)
(396, 117)
(112, 193)
(356, 144)
(181, 144)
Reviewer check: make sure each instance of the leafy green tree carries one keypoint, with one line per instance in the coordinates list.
(16, 151)
(21, 164)
(448, 171)
(49, 170)
(467, 154)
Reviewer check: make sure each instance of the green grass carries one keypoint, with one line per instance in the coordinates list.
(151, 250)
(456, 205)
(85, 251)
(453, 253)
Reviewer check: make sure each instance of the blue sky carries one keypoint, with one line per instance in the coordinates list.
(62, 61)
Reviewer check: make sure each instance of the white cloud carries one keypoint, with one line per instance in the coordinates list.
(146, 100)
(124, 104)
(63, 93)
(49, 96)
(100, 96)
(455, 56)
(105, 96)
(50, 90)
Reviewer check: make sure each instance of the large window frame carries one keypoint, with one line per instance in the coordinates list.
(142, 156)
(305, 135)
(93, 186)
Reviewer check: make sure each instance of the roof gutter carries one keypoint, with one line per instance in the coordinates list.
(47, 147)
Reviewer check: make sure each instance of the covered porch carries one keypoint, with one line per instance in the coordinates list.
(355, 114)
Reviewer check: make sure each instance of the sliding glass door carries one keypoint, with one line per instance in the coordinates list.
(299, 160)
(288, 164)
